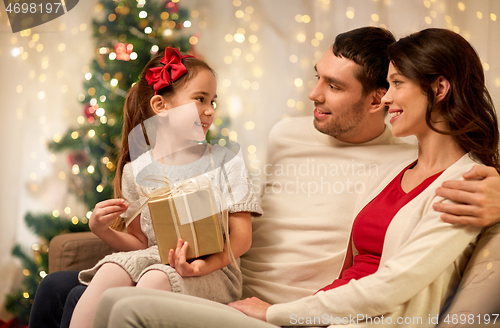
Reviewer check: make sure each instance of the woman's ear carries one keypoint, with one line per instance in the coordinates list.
(158, 105)
(440, 87)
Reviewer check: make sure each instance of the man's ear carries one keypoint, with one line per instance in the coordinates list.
(440, 87)
(376, 104)
(158, 105)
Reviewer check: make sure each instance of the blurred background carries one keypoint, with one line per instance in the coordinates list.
(62, 86)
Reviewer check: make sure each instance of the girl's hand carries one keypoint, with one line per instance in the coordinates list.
(105, 213)
(177, 260)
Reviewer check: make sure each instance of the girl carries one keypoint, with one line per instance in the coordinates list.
(404, 263)
(180, 91)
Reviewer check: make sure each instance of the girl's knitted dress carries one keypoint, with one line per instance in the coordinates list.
(230, 176)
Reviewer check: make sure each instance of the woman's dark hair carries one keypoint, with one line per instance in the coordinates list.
(367, 47)
(137, 107)
(467, 108)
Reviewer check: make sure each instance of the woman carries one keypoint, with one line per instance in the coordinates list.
(407, 261)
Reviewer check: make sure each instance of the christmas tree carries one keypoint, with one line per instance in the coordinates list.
(129, 33)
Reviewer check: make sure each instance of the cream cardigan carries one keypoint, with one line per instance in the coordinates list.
(421, 264)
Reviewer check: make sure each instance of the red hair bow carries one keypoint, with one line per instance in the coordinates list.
(160, 77)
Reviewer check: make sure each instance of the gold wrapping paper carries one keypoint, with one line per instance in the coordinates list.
(191, 216)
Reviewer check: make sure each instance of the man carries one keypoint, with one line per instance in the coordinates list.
(347, 143)
(318, 173)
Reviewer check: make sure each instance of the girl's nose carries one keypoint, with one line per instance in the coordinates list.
(209, 110)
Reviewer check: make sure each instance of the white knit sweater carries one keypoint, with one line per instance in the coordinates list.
(313, 182)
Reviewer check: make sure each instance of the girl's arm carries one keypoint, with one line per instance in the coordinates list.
(104, 215)
(240, 237)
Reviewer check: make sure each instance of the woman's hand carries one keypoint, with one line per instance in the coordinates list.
(177, 260)
(105, 213)
(253, 307)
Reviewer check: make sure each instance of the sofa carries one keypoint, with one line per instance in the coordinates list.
(76, 251)
(477, 297)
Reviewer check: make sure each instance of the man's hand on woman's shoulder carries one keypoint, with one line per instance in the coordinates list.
(477, 198)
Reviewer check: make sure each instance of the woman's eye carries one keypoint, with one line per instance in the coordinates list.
(396, 83)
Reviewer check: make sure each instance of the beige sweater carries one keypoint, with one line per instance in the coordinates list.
(422, 261)
(313, 182)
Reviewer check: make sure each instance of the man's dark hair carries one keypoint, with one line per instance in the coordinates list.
(367, 47)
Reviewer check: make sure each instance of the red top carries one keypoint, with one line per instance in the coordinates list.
(370, 226)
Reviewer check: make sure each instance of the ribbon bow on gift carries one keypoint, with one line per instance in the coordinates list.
(173, 69)
(171, 190)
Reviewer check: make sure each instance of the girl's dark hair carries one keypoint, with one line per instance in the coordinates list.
(137, 107)
(467, 108)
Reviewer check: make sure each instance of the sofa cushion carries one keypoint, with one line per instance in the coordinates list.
(76, 251)
(478, 295)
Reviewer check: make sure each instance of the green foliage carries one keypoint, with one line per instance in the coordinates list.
(120, 27)
(93, 146)
(47, 226)
(17, 302)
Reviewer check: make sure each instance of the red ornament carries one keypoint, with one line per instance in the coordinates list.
(123, 50)
(14, 323)
(172, 6)
(79, 157)
(71, 160)
(89, 111)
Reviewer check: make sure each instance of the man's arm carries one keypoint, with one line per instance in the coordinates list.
(478, 198)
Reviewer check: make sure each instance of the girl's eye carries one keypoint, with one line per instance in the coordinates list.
(201, 99)
(214, 104)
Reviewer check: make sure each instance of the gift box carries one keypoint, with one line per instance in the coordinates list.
(191, 216)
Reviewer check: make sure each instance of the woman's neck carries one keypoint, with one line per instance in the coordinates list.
(436, 152)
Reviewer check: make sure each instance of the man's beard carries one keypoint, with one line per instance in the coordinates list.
(337, 126)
